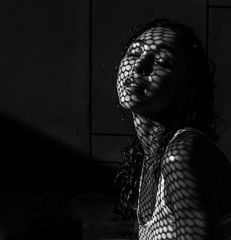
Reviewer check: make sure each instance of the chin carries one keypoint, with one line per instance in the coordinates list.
(132, 106)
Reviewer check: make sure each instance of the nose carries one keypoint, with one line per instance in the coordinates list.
(144, 65)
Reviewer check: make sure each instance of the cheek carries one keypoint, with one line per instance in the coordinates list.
(126, 65)
(125, 70)
(119, 87)
(159, 79)
(120, 81)
(165, 87)
(172, 87)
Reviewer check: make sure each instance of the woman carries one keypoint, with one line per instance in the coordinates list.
(166, 81)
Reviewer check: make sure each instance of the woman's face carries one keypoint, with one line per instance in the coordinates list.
(151, 74)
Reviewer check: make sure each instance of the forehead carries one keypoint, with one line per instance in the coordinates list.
(159, 34)
(161, 38)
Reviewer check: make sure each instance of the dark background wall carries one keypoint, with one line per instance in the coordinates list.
(219, 50)
(45, 66)
(56, 76)
(44, 88)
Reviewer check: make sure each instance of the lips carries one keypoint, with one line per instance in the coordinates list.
(133, 82)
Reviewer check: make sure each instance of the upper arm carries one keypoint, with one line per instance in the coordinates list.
(189, 181)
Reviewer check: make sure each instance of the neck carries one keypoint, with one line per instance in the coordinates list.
(148, 131)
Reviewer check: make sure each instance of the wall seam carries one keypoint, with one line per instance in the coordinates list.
(90, 82)
(207, 27)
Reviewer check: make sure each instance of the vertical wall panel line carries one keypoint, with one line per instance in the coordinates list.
(207, 28)
(90, 80)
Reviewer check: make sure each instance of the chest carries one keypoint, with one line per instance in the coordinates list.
(155, 213)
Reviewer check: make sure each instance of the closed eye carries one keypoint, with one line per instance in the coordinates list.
(166, 63)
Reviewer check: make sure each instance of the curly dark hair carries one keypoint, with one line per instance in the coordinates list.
(199, 112)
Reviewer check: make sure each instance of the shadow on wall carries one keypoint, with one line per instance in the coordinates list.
(29, 158)
(38, 176)
(32, 161)
(46, 187)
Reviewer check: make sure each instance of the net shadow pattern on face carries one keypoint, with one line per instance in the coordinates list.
(147, 64)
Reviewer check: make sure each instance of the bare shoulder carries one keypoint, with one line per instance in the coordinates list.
(194, 159)
(191, 157)
(192, 146)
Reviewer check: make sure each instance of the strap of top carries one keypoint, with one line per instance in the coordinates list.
(191, 130)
